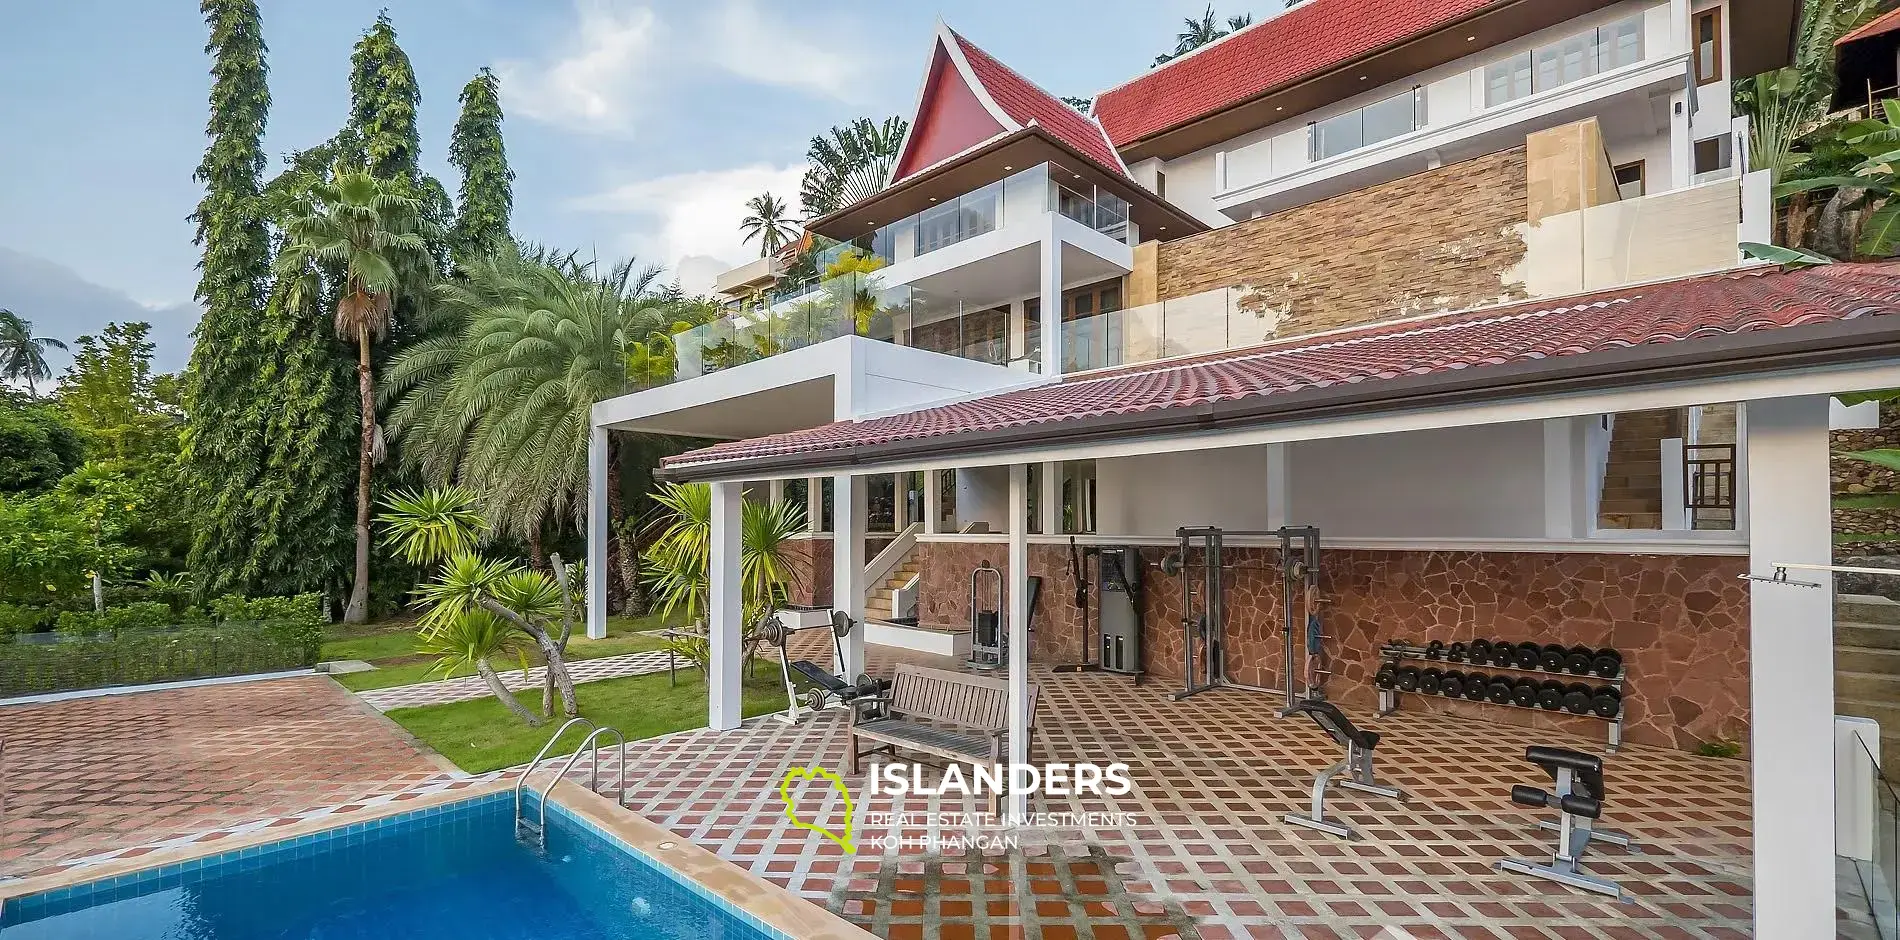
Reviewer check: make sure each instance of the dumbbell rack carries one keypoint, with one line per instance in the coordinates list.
(1396, 653)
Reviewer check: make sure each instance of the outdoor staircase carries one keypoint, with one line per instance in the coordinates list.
(1632, 476)
(1867, 666)
(880, 601)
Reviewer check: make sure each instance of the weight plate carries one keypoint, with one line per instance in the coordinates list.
(1524, 693)
(1477, 685)
(1499, 691)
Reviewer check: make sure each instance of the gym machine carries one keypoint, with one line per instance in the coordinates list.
(773, 629)
(1204, 645)
(989, 642)
(1357, 767)
(1523, 675)
(1579, 801)
(1118, 570)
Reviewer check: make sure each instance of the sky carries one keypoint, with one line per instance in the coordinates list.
(635, 128)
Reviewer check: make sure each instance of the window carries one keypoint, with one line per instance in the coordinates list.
(964, 217)
(1161, 184)
(1708, 46)
(1712, 154)
(1629, 180)
(1402, 113)
(1571, 59)
(1508, 80)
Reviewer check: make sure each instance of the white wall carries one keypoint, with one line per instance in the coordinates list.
(983, 496)
(1155, 494)
(1478, 482)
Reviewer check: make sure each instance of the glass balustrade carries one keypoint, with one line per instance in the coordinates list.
(1866, 835)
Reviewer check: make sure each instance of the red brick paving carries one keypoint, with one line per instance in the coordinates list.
(85, 776)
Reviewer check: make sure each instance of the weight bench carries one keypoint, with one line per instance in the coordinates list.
(1579, 801)
(1357, 766)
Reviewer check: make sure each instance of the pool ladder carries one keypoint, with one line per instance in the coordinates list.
(536, 831)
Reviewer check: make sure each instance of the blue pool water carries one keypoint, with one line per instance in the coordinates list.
(451, 873)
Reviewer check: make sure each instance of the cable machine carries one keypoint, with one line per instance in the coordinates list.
(1204, 646)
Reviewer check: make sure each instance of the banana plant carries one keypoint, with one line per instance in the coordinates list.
(1874, 179)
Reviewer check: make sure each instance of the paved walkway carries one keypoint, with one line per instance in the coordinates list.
(470, 687)
(84, 776)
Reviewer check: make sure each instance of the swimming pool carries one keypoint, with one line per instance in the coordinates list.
(453, 872)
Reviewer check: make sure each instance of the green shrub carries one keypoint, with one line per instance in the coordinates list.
(142, 616)
(137, 658)
(1720, 747)
(15, 619)
(303, 608)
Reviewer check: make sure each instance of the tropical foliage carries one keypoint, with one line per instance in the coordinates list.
(849, 164)
(476, 149)
(23, 355)
(767, 219)
(677, 561)
(1198, 31)
(1873, 182)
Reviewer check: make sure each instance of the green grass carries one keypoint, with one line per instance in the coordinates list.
(480, 735)
(373, 646)
(391, 646)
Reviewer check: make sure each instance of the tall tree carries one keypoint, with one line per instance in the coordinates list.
(850, 164)
(23, 355)
(476, 149)
(384, 103)
(1199, 31)
(112, 394)
(373, 233)
(768, 220)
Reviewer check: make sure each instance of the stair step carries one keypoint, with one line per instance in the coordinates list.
(1866, 609)
(1630, 520)
(1858, 635)
(1867, 687)
(1635, 505)
(1873, 660)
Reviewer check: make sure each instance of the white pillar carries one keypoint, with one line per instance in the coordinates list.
(900, 501)
(774, 492)
(597, 523)
(847, 565)
(1791, 666)
(1049, 501)
(933, 501)
(814, 504)
(1051, 301)
(1279, 487)
(1018, 591)
(725, 613)
(1565, 508)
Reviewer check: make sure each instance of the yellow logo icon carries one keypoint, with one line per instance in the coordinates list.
(837, 783)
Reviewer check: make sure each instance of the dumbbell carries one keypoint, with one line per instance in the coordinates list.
(1606, 701)
(1577, 698)
(1479, 650)
(1498, 690)
(1553, 657)
(1527, 656)
(1524, 693)
(1578, 660)
(1429, 679)
(1408, 679)
(1606, 663)
(1477, 686)
(1502, 653)
(1457, 652)
(1452, 685)
(1550, 695)
(1387, 677)
(1435, 649)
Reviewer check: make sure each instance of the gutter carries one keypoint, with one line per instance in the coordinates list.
(1835, 343)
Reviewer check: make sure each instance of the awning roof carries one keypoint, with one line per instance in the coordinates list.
(1747, 320)
(1884, 23)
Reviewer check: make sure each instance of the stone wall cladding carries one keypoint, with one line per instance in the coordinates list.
(1681, 622)
(812, 560)
(1858, 477)
(1443, 239)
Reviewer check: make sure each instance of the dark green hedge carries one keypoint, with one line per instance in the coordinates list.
(228, 649)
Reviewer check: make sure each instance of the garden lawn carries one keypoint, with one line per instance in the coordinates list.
(391, 648)
(480, 735)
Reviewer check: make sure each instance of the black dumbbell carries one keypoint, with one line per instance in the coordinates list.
(1578, 660)
(1524, 692)
(1429, 679)
(1456, 653)
(1527, 656)
(1477, 686)
(1577, 698)
(1387, 677)
(1408, 679)
(1606, 701)
(1435, 649)
(1550, 695)
(1607, 663)
(1499, 690)
(1553, 657)
(1502, 654)
(1479, 650)
(1452, 685)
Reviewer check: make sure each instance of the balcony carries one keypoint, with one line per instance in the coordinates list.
(1021, 198)
(1693, 230)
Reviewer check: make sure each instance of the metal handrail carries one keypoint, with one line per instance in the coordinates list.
(523, 779)
(593, 777)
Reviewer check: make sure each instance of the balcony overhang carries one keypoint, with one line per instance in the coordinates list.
(992, 161)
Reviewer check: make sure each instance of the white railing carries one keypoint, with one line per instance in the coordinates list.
(1693, 230)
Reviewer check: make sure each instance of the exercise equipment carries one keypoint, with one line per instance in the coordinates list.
(1204, 624)
(1120, 568)
(1457, 653)
(1435, 649)
(1429, 679)
(1408, 679)
(1499, 691)
(1388, 676)
(1519, 674)
(1503, 654)
(1524, 693)
(1527, 656)
(1477, 685)
(1550, 695)
(1606, 663)
(774, 630)
(1577, 660)
(1606, 701)
(1553, 657)
(1357, 766)
(989, 642)
(1079, 577)
(1479, 650)
(1579, 799)
(1577, 698)
(1452, 685)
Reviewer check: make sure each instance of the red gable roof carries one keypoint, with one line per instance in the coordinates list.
(1682, 311)
(1304, 41)
(1026, 103)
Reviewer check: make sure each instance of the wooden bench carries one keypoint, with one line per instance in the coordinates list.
(951, 715)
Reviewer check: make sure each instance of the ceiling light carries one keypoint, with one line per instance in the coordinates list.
(1471, 39)
(933, 199)
(1075, 176)
(1362, 78)
(1280, 109)
(1008, 167)
(1164, 228)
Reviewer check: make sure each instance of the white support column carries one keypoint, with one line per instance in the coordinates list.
(1791, 666)
(900, 501)
(774, 492)
(933, 501)
(1049, 501)
(597, 523)
(1279, 487)
(1051, 301)
(1565, 509)
(1017, 803)
(814, 504)
(847, 565)
(1676, 516)
(724, 608)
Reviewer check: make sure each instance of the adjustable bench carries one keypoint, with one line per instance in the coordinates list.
(1579, 801)
(1357, 766)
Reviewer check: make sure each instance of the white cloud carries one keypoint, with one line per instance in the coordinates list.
(770, 51)
(689, 221)
(596, 82)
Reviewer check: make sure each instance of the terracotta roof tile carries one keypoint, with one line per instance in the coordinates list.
(1669, 312)
(1884, 23)
(1024, 102)
(1299, 43)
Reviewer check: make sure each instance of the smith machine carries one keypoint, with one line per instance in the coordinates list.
(1203, 575)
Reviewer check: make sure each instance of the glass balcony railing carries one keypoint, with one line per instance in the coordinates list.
(1208, 322)
(1866, 837)
(841, 306)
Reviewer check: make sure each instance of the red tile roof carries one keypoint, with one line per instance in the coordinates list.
(1302, 42)
(1682, 311)
(1024, 102)
(1884, 23)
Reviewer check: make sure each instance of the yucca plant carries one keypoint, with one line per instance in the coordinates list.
(170, 588)
(677, 563)
(468, 641)
(528, 600)
(432, 525)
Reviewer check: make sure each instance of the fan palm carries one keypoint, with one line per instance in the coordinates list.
(850, 164)
(468, 641)
(374, 235)
(1199, 31)
(769, 221)
(23, 355)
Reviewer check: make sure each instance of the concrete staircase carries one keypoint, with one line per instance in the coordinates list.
(880, 601)
(1632, 477)
(1867, 667)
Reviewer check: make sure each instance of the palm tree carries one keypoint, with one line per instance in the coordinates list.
(23, 355)
(528, 600)
(373, 234)
(769, 222)
(1199, 31)
(850, 164)
(432, 526)
(678, 562)
(466, 643)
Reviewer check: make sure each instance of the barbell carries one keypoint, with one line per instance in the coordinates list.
(1171, 565)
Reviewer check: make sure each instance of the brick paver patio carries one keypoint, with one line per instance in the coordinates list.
(86, 775)
(470, 687)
